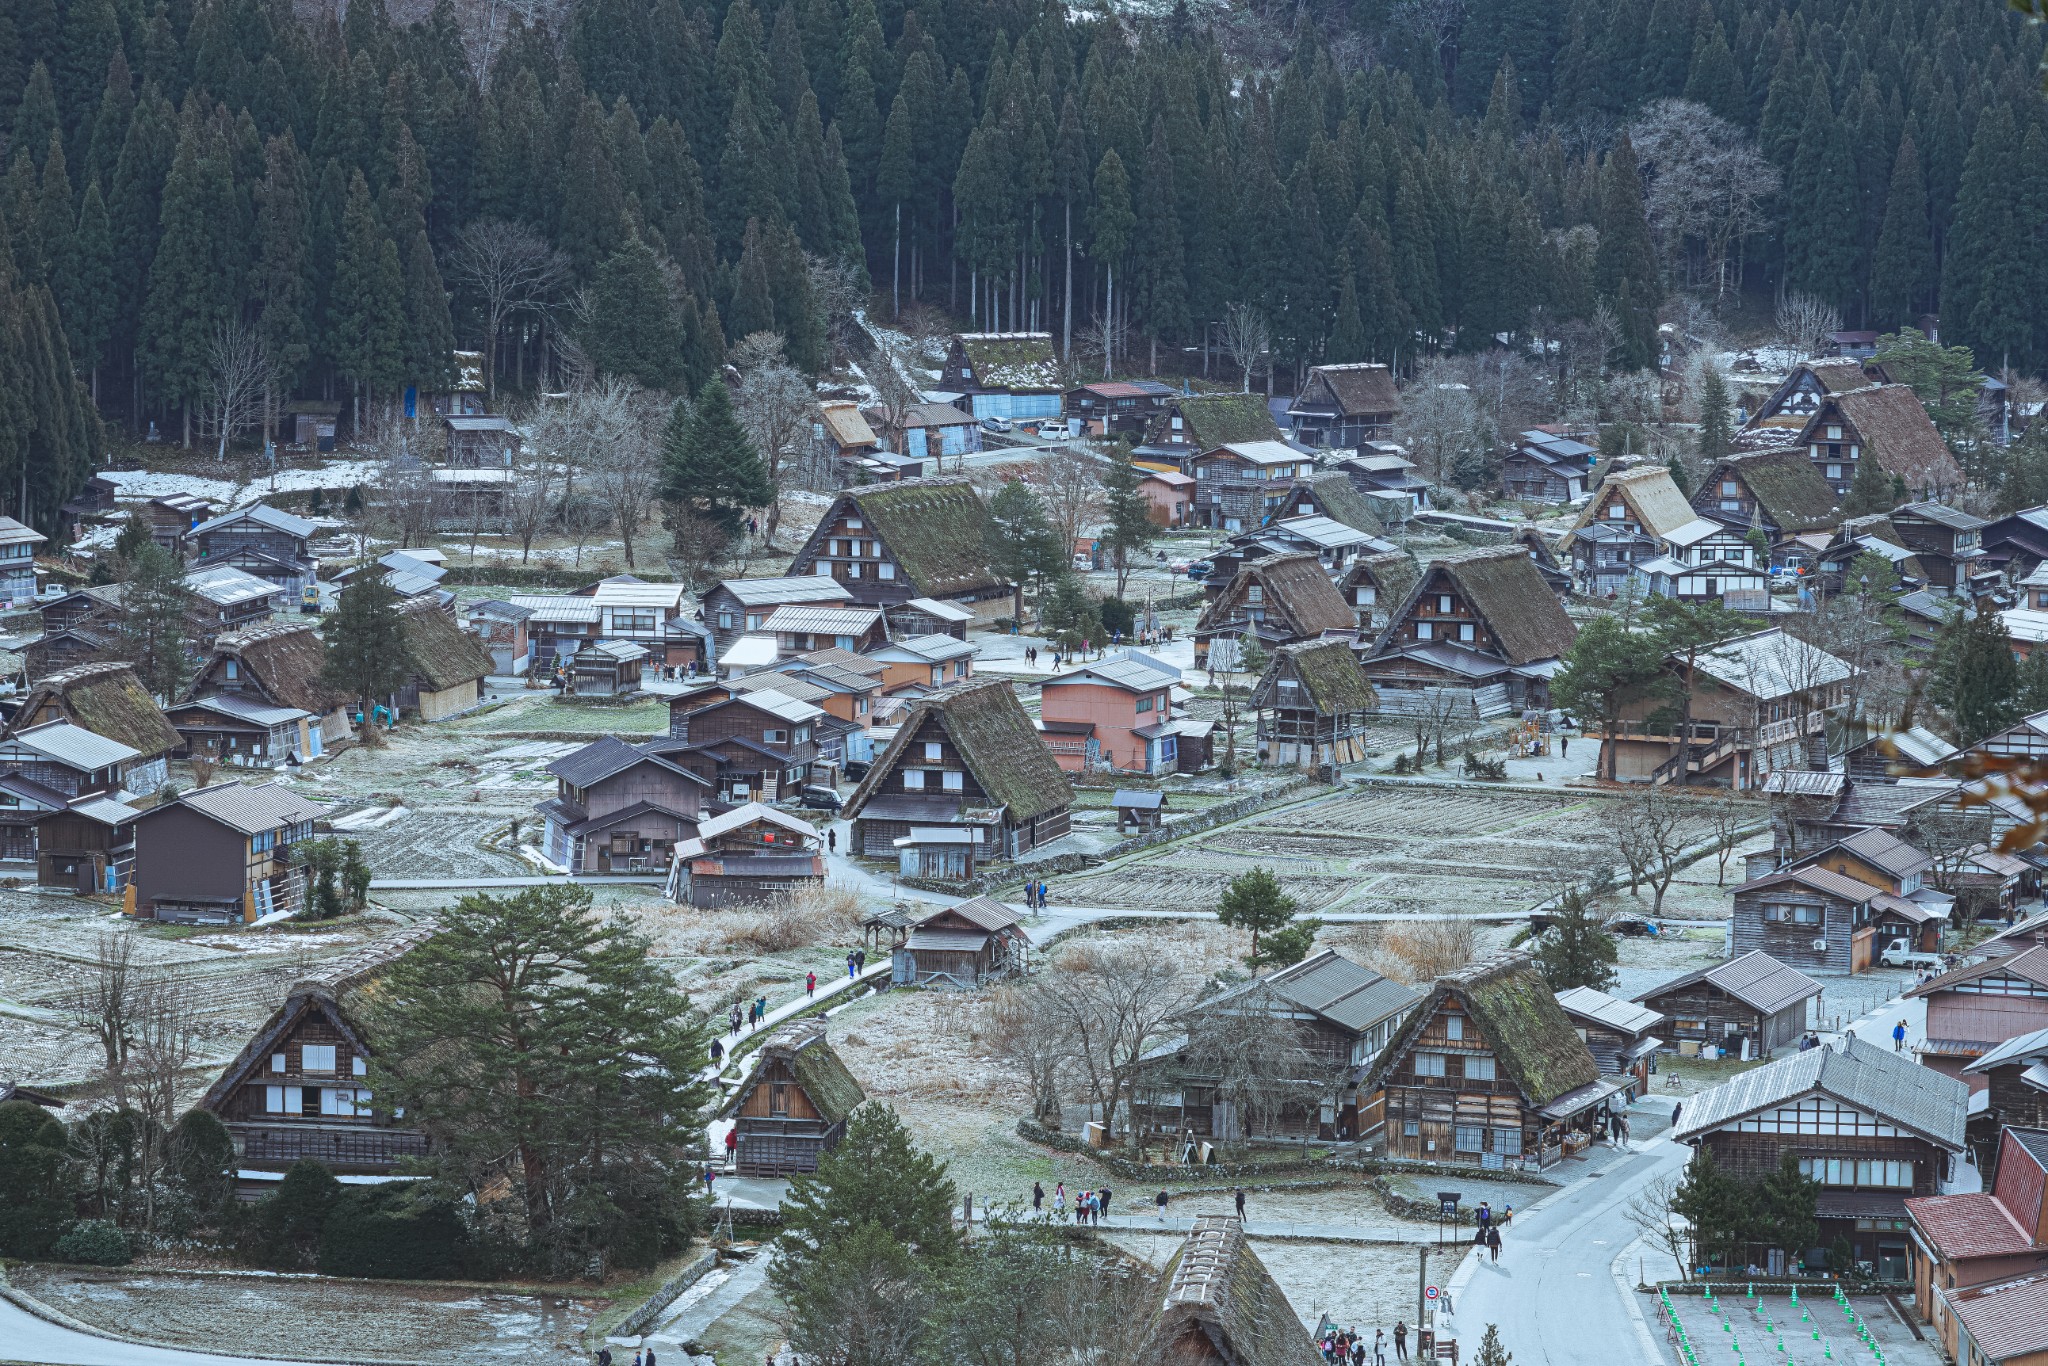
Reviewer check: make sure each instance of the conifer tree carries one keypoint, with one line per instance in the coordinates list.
(57, 228)
(366, 313)
(1159, 280)
(151, 634)
(278, 282)
(1986, 676)
(1716, 424)
(708, 462)
(1110, 221)
(193, 286)
(366, 654)
(89, 321)
(1821, 253)
(1902, 270)
(1625, 268)
(634, 330)
(1577, 950)
(1712, 80)
(1127, 516)
(1870, 489)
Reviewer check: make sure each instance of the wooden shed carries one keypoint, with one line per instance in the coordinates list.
(1312, 703)
(792, 1106)
(1137, 809)
(449, 664)
(1753, 998)
(747, 857)
(609, 668)
(961, 946)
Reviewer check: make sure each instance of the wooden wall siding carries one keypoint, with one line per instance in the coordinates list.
(1704, 1002)
(248, 1101)
(1754, 1156)
(2015, 1102)
(760, 1101)
(1789, 942)
(1987, 1017)
(642, 783)
(1606, 1046)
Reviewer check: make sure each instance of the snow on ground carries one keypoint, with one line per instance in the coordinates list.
(141, 485)
(136, 486)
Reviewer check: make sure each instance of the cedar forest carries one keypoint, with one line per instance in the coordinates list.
(1407, 178)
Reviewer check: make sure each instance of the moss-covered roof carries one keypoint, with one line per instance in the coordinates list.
(1222, 1305)
(283, 658)
(1521, 1021)
(1212, 420)
(1503, 585)
(1296, 592)
(1339, 500)
(1012, 360)
(1784, 483)
(832, 1089)
(1392, 572)
(106, 699)
(1328, 671)
(996, 740)
(443, 654)
(936, 528)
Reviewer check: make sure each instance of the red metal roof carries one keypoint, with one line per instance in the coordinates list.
(1973, 1225)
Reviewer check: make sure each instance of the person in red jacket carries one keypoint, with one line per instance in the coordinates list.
(810, 984)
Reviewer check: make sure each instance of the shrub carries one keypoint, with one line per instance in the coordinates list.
(1488, 770)
(1118, 615)
(203, 1157)
(95, 1242)
(382, 1232)
(795, 920)
(286, 1226)
(35, 1177)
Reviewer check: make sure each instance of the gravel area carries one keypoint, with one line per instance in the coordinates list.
(1710, 1332)
(293, 1316)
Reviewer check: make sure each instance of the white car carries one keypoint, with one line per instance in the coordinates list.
(995, 424)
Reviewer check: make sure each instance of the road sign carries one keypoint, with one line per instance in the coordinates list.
(1430, 1293)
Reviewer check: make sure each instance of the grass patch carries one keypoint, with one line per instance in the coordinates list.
(576, 718)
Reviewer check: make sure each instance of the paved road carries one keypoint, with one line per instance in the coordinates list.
(24, 1337)
(1554, 1293)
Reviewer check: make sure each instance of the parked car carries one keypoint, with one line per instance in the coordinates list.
(1201, 569)
(1900, 953)
(820, 799)
(995, 424)
(857, 769)
(1053, 429)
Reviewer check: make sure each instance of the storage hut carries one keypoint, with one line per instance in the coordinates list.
(747, 857)
(792, 1106)
(1138, 809)
(609, 668)
(962, 946)
(449, 664)
(1312, 702)
(1752, 999)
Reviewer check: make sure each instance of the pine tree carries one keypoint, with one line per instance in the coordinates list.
(2033, 692)
(1577, 950)
(1625, 267)
(1712, 80)
(366, 314)
(634, 331)
(1159, 278)
(1127, 515)
(193, 281)
(1716, 424)
(1988, 250)
(89, 321)
(278, 283)
(1490, 1352)
(366, 654)
(57, 228)
(1821, 252)
(1785, 1204)
(1902, 270)
(1870, 490)
(708, 462)
(1110, 221)
(1022, 545)
(151, 634)
(1255, 902)
(874, 1181)
(1986, 677)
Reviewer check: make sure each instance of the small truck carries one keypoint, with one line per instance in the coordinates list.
(1900, 953)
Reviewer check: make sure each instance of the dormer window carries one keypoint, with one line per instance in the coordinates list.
(1834, 431)
(1254, 594)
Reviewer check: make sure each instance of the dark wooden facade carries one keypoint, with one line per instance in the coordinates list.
(750, 856)
(926, 780)
(792, 1106)
(962, 946)
(1722, 1005)
(753, 746)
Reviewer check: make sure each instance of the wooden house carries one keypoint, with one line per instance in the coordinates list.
(1974, 1008)
(1345, 405)
(845, 691)
(619, 808)
(278, 664)
(1751, 1001)
(1488, 1070)
(480, 441)
(1333, 543)
(258, 540)
(172, 517)
(1985, 1239)
(1118, 407)
(1885, 422)
(222, 854)
(97, 504)
(935, 432)
(842, 433)
(792, 1106)
(1115, 713)
(800, 630)
(1800, 395)
(608, 668)
(501, 626)
(920, 538)
(1480, 632)
(108, 700)
(449, 664)
(1014, 375)
(242, 731)
(1387, 478)
(1312, 702)
(1870, 1125)
(920, 663)
(756, 746)
(751, 855)
(1374, 585)
(18, 563)
(1775, 490)
(61, 807)
(1221, 1306)
(734, 607)
(1912, 909)
(1138, 808)
(1947, 541)
(1642, 501)
(1169, 496)
(1278, 600)
(310, 422)
(1708, 561)
(1616, 1032)
(965, 762)
(299, 1088)
(1547, 467)
(1760, 704)
(1329, 495)
(922, 617)
(1240, 484)
(961, 947)
(1342, 1014)
(222, 598)
(2012, 1077)
(1191, 423)
(1816, 919)
(82, 627)
(2016, 543)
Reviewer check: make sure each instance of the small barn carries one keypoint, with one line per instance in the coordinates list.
(609, 668)
(792, 1106)
(1223, 1308)
(449, 664)
(747, 857)
(1138, 809)
(1753, 999)
(1616, 1032)
(1312, 703)
(961, 946)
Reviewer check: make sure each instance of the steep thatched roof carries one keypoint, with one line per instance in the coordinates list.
(1221, 1304)
(283, 659)
(996, 739)
(801, 1044)
(1392, 572)
(1784, 483)
(1503, 585)
(443, 654)
(1012, 360)
(1518, 1015)
(1339, 500)
(1295, 588)
(1212, 420)
(1651, 495)
(1328, 671)
(1361, 387)
(936, 528)
(1896, 429)
(106, 699)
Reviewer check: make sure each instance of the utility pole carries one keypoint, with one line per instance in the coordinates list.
(1421, 1286)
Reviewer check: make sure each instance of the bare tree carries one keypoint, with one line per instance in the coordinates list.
(1707, 187)
(163, 1046)
(1029, 1032)
(1441, 422)
(511, 268)
(776, 405)
(1730, 820)
(1072, 491)
(1803, 323)
(700, 542)
(1262, 1061)
(240, 373)
(106, 1006)
(536, 489)
(1425, 950)
(1652, 1211)
(1247, 338)
(1951, 837)
(408, 499)
(1104, 338)
(839, 294)
(1650, 831)
(622, 424)
(1114, 1002)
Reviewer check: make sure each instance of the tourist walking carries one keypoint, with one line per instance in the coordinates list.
(1240, 1202)
(1037, 1198)
(1059, 1200)
(810, 984)
(1401, 1340)
(831, 841)
(1102, 1199)
(1493, 1242)
(1160, 1201)
(1379, 1347)
(717, 1053)
(1899, 1037)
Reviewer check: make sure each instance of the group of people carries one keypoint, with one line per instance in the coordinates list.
(1487, 1235)
(1348, 1347)
(756, 1012)
(1089, 1205)
(1035, 894)
(856, 962)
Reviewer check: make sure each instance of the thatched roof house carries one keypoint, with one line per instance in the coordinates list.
(106, 699)
(1644, 498)
(917, 538)
(1206, 421)
(1334, 496)
(1894, 428)
(279, 663)
(1223, 1308)
(1375, 585)
(1280, 599)
(1476, 620)
(792, 1106)
(1318, 676)
(1776, 489)
(449, 664)
(992, 776)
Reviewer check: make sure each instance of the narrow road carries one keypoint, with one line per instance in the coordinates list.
(1553, 1293)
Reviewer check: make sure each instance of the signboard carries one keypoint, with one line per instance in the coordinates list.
(1430, 1293)
(1447, 1351)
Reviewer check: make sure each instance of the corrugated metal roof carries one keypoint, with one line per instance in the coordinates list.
(1882, 849)
(251, 808)
(618, 651)
(614, 594)
(1265, 452)
(105, 810)
(946, 941)
(936, 649)
(14, 533)
(824, 621)
(797, 588)
(1756, 979)
(944, 611)
(2021, 1048)
(745, 815)
(1877, 1081)
(1138, 673)
(1772, 664)
(789, 685)
(557, 607)
(1823, 880)
(75, 746)
(1630, 1017)
(781, 705)
(226, 586)
(984, 911)
(1787, 782)
(2006, 1319)
(244, 708)
(263, 515)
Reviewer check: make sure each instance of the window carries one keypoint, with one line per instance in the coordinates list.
(1255, 594)
(1145, 703)
(1454, 1027)
(641, 621)
(1616, 511)
(803, 733)
(234, 669)
(1479, 1069)
(1470, 1138)
(885, 570)
(938, 674)
(774, 736)
(316, 1057)
(1429, 1064)
(778, 1098)
(913, 780)
(954, 780)
(1424, 631)
(1507, 1142)
(1834, 432)
(1465, 630)
(1443, 603)
(1410, 1128)
(753, 621)
(959, 668)
(822, 568)
(853, 524)
(853, 571)
(277, 1062)
(860, 706)
(1691, 1026)
(1785, 913)
(1367, 595)
(725, 621)
(1844, 1171)
(1729, 488)
(360, 1066)
(282, 1100)
(933, 751)
(1834, 471)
